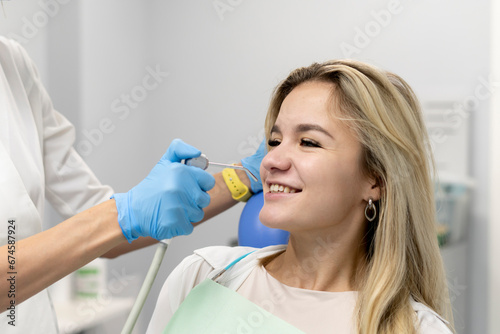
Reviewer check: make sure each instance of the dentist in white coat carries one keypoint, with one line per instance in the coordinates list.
(38, 162)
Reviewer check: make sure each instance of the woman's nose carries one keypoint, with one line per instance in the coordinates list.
(278, 158)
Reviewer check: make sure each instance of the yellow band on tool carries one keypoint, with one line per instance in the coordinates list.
(239, 191)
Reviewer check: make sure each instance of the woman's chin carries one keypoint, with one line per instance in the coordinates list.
(273, 221)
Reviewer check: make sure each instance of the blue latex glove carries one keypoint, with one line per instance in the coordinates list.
(168, 200)
(253, 164)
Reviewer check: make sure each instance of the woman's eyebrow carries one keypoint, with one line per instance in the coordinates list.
(275, 129)
(312, 127)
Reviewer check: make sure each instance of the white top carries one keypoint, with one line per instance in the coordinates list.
(302, 308)
(310, 311)
(37, 161)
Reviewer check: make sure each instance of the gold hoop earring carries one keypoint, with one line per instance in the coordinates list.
(372, 207)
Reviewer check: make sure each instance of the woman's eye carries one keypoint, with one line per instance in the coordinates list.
(273, 142)
(309, 143)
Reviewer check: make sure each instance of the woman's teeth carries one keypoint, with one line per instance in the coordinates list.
(278, 188)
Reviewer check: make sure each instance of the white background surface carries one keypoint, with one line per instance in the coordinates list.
(222, 70)
(494, 245)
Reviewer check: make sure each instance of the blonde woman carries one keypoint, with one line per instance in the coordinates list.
(348, 175)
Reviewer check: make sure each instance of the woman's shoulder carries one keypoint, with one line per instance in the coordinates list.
(221, 256)
(429, 321)
(206, 262)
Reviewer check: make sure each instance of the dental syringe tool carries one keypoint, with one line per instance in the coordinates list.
(203, 162)
(200, 162)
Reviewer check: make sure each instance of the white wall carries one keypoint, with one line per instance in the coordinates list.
(222, 69)
(494, 232)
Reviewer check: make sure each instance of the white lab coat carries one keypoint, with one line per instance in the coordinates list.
(37, 161)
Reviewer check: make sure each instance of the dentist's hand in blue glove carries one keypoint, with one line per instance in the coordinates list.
(253, 164)
(168, 200)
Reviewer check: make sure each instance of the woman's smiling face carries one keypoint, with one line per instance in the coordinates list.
(312, 175)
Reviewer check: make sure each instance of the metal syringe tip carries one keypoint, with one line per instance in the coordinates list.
(235, 167)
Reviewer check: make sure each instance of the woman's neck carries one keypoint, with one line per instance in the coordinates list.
(320, 262)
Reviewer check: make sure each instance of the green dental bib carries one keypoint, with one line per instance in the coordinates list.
(211, 308)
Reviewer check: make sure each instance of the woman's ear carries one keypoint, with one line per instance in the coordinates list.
(375, 184)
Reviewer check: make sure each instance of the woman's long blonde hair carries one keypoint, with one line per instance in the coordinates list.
(403, 254)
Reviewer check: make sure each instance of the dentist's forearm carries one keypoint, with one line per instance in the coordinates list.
(46, 257)
(220, 196)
